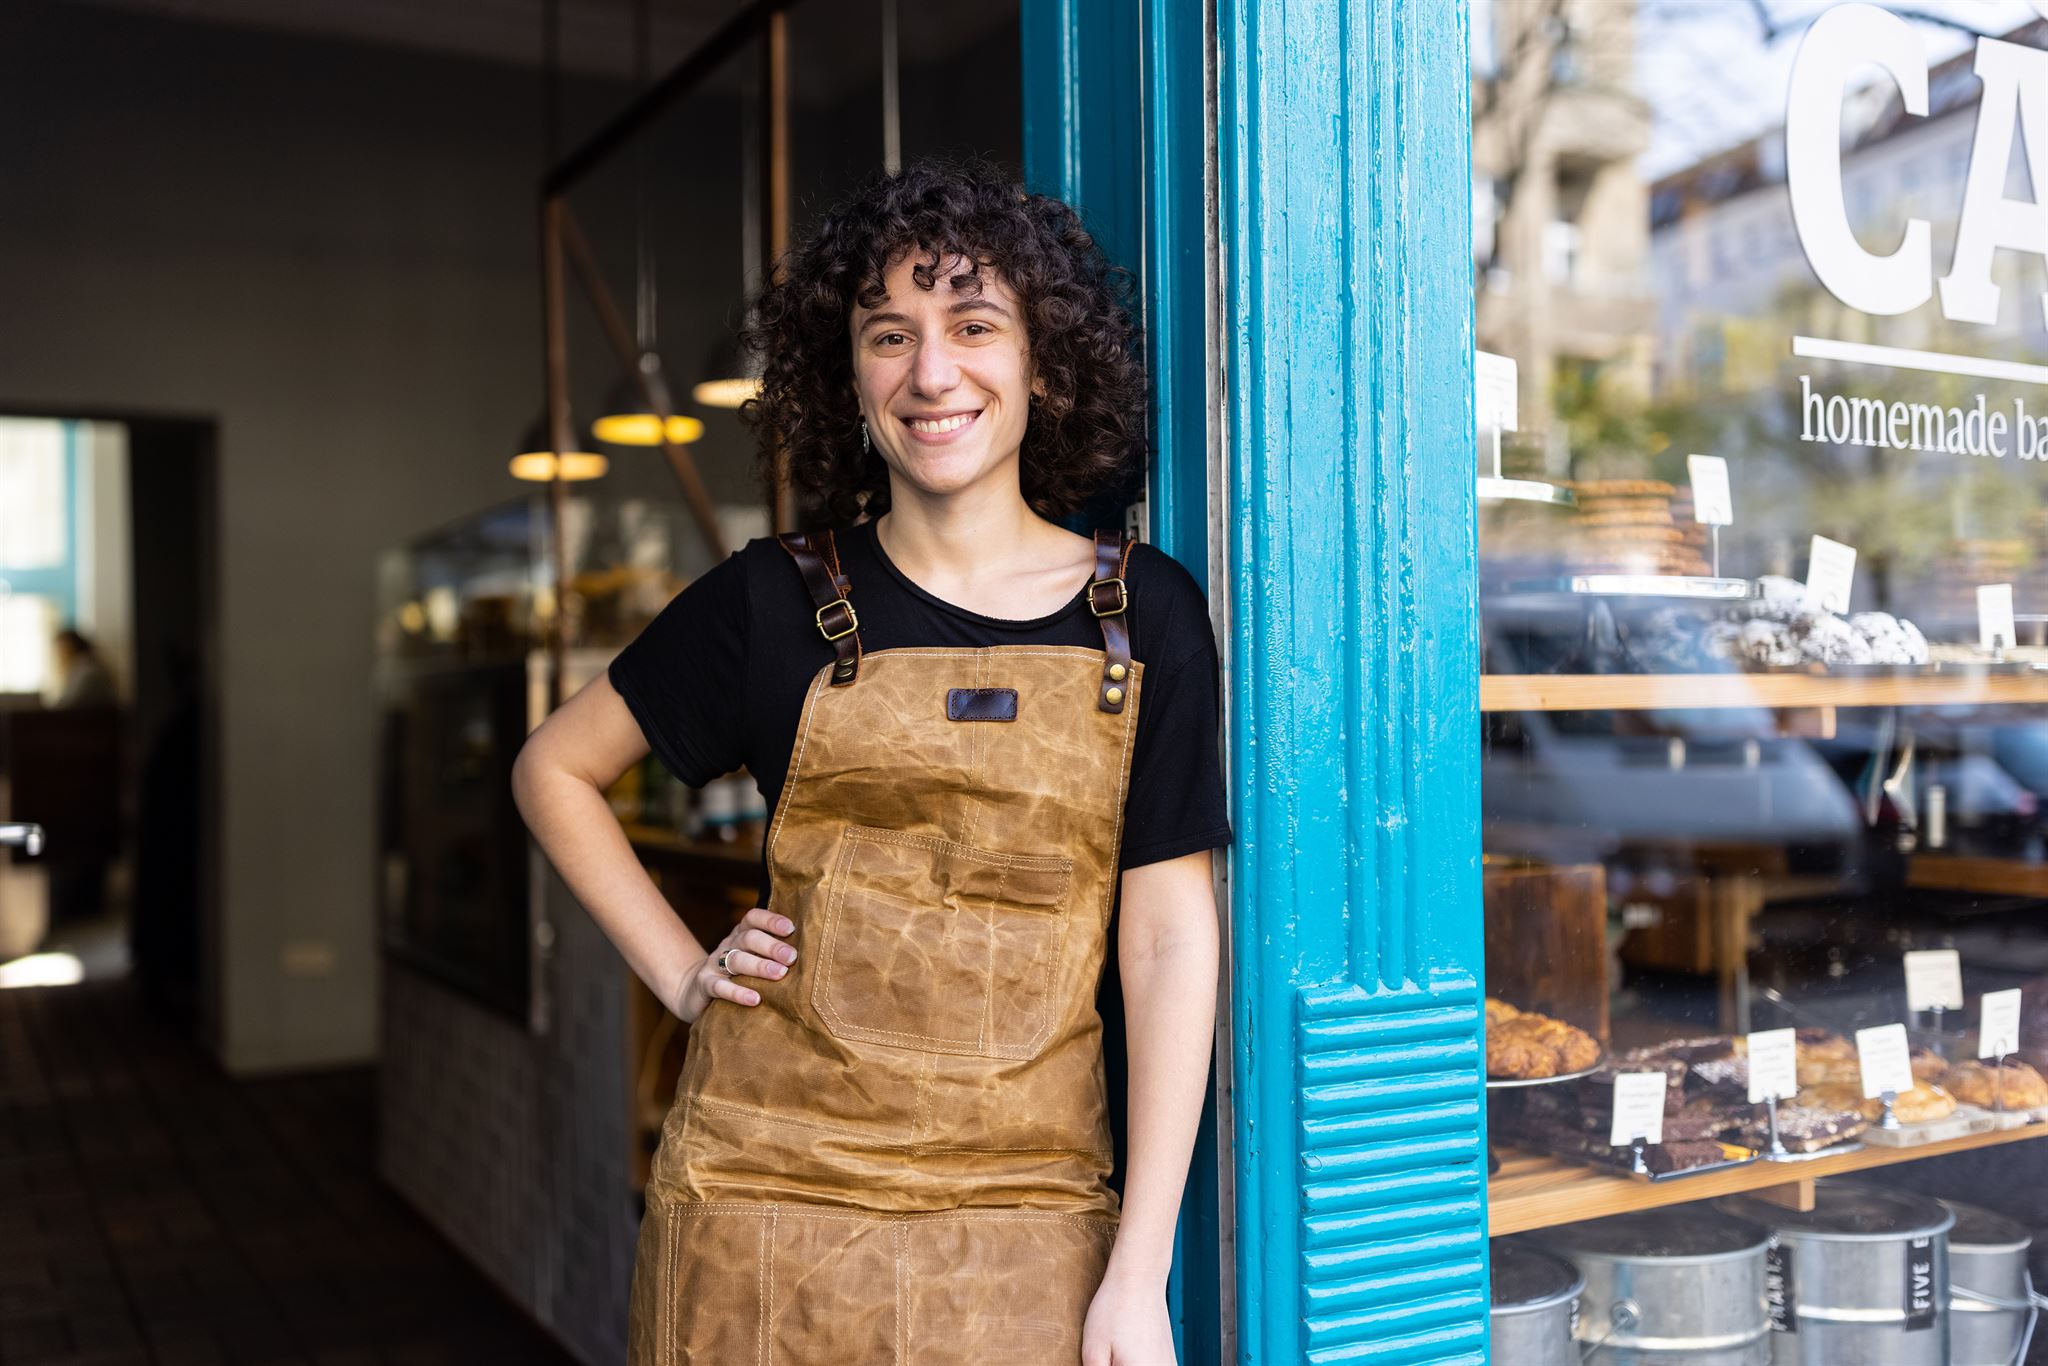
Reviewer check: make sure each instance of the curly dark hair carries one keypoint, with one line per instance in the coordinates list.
(1086, 435)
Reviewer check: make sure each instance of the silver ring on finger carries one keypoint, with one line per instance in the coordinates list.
(724, 963)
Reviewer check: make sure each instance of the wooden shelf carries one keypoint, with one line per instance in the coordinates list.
(1985, 876)
(1636, 692)
(1537, 1192)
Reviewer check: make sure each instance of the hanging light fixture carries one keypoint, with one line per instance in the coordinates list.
(732, 374)
(628, 423)
(626, 420)
(741, 380)
(538, 462)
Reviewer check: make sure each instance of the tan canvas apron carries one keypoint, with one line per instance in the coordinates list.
(900, 1155)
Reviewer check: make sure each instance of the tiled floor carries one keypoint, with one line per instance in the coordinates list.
(153, 1210)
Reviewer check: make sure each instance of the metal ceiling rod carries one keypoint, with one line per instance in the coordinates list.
(892, 91)
(682, 81)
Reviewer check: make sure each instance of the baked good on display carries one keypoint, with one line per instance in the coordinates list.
(1801, 1128)
(1924, 1102)
(1524, 1046)
(2015, 1086)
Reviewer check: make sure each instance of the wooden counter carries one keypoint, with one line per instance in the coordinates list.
(1531, 1191)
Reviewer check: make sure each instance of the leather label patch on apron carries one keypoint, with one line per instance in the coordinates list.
(981, 704)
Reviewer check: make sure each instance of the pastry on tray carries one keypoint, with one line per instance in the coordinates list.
(1924, 1102)
(1802, 1128)
(1929, 1065)
(2015, 1086)
(1525, 1046)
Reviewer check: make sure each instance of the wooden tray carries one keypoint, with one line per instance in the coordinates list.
(1967, 1120)
(2018, 1119)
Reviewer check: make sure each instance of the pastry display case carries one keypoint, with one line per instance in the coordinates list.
(1765, 719)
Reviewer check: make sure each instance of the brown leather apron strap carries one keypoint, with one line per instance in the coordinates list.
(1108, 596)
(818, 558)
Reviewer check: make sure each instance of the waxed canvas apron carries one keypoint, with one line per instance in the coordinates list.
(900, 1155)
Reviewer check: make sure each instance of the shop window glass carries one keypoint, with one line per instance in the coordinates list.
(1763, 532)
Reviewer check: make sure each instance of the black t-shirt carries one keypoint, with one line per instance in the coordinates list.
(717, 680)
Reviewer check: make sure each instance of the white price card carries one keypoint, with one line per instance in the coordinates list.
(1998, 1023)
(1496, 391)
(1887, 1063)
(1934, 980)
(1830, 574)
(1994, 616)
(1773, 1065)
(1712, 502)
(1638, 1108)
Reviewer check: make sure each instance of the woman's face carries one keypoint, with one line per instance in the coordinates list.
(944, 378)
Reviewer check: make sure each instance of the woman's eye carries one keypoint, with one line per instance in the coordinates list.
(889, 339)
(983, 326)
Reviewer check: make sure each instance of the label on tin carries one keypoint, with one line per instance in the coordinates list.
(1919, 1284)
(1779, 1294)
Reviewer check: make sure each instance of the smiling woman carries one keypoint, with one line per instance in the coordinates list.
(989, 745)
(958, 251)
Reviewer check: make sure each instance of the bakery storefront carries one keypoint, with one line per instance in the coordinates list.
(1761, 301)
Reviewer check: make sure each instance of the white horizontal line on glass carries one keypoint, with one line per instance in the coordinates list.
(1898, 358)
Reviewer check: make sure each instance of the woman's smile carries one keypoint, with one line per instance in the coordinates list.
(941, 429)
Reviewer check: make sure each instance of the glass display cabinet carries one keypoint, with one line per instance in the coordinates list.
(1764, 569)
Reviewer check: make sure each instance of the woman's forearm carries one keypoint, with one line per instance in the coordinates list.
(1169, 963)
(574, 825)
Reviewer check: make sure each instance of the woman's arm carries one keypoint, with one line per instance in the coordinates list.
(559, 782)
(1167, 951)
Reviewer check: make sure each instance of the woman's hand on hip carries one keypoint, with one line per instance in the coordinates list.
(751, 950)
(1127, 1325)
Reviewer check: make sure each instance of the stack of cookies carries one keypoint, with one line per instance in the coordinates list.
(1627, 526)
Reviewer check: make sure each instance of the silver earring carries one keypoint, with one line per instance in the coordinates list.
(865, 447)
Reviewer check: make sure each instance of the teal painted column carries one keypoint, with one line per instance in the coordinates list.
(1114, 123)
(1344, 151)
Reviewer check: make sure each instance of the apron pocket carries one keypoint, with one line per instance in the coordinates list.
(939, 946)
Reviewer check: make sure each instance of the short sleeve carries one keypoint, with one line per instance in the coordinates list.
(679, 676)
(1176, 804)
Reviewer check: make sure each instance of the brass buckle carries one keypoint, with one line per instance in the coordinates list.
(1123, 596)
(852, 621)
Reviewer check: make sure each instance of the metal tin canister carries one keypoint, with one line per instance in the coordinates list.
(1535, 1304)
(1861, 1277)
(1991, 1296)
(1668, 1287)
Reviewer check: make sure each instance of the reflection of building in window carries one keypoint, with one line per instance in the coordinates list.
(1895, 166)
(1557, 128)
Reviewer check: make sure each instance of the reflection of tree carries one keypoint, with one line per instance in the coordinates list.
(1715, 40)
(1913, 516)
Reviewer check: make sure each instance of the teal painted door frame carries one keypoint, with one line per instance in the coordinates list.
(1346, 501)
(1345, 161)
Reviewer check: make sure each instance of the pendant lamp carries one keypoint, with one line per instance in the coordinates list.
(731, 374)
(537, 461)
(736, 378)
(626, 420)
(628, 423)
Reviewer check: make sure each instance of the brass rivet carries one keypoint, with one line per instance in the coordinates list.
(1114, 696)
(1116, 671)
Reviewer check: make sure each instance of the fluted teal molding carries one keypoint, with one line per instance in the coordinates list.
(1344, 148)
